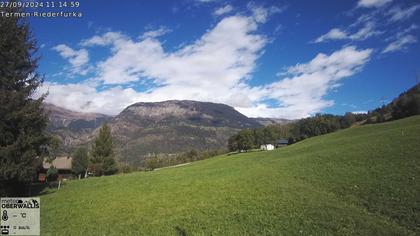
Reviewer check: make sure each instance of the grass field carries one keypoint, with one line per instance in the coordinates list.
(359, 181)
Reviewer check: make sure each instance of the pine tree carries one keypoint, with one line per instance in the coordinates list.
(102, 160)
(22, 120)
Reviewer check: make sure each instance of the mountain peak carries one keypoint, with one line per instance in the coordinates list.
(201, 113)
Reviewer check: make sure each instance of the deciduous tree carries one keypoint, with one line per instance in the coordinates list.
(80, 161)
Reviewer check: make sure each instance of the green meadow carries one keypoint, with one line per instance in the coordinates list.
(359, 181)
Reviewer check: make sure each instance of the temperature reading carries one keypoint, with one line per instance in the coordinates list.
(20, 216)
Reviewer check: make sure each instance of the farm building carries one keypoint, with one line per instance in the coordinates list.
(282, 143)
(62, 164)
(267, 147)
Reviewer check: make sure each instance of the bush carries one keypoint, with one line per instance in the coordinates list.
(52, 174)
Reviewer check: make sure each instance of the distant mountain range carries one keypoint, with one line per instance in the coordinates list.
(144, 129)
(73, 128)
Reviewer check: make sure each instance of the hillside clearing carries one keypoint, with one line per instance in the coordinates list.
(363, 180)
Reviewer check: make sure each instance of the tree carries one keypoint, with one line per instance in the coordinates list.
(52, 174)
(152, 163)
(347, 120)
(233, 143)
(245, 140)
(407, 104)
(192, 155)
(22, 119)
(291, 140)
(268, 136)
(102, 155)
(80, 161)
(53, 148)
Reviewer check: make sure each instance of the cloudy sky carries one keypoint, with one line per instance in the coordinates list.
(286, 59)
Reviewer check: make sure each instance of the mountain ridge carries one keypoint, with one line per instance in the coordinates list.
(144, 129)
(169, 127)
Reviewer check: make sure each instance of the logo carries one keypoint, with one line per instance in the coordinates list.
(20, 216)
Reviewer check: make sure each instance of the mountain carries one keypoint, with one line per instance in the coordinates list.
(73, 128)
(145, 129)
(271, 121)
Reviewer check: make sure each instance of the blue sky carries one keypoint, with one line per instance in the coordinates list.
(286, 59)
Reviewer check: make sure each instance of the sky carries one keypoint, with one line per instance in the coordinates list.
(280, 59)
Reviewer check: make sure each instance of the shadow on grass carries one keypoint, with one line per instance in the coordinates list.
(180, 231)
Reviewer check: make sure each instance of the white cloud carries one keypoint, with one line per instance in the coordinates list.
(362, 19)
(212, 68)
(402, 33)
(155, 33)
(261, 13)
(333, 34)
(400, 43)
(105, 39)
(398, 14)
(86, 97)
(215, 68)
(367, 31)
(411, 28)
(77, 58)
(372, 3)
(302, 94)
(223, 10)
(225, 53)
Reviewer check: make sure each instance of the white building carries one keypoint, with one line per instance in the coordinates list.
(267, 147)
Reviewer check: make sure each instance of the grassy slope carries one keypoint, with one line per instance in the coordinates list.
(364, 180)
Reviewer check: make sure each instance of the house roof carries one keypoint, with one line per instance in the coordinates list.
(60, 163)
(283, 141)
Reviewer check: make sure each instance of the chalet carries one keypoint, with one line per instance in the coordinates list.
(267, 147)
(62, 164)
(282, 143)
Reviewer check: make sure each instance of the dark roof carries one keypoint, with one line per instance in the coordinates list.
(283, 141)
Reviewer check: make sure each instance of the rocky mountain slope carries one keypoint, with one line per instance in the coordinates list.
(73, 128)
(271, 121)
(145, 129)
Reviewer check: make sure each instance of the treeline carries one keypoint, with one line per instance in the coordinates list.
(293, 132)
(323, 124)
(405, 105)
(164, 160)
(252, 138)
